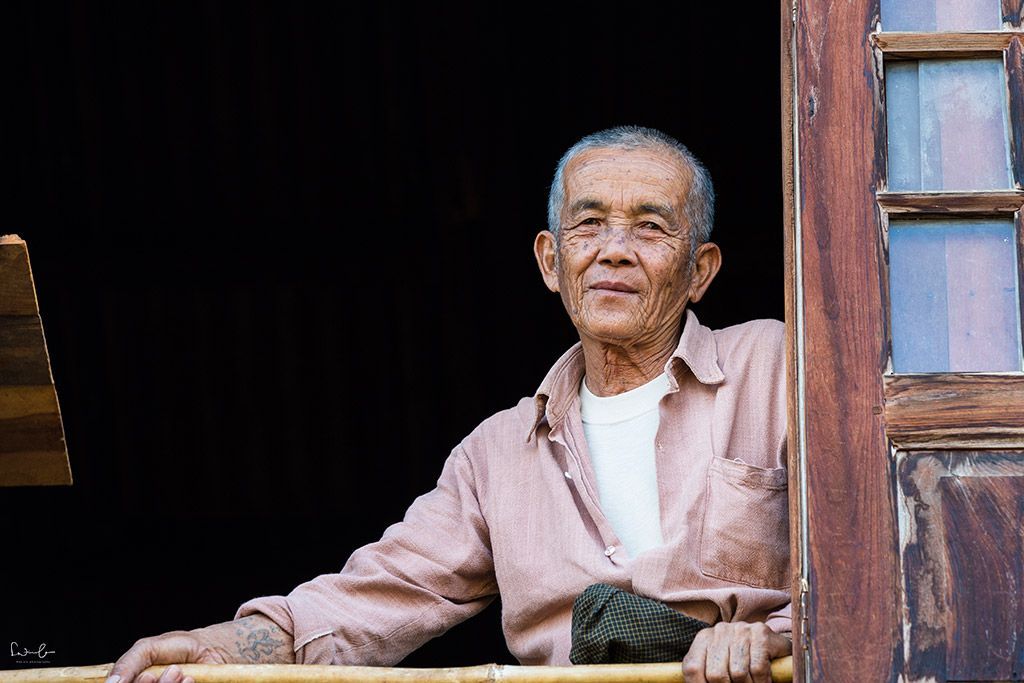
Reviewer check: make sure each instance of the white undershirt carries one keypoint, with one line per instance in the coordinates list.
(620, 432)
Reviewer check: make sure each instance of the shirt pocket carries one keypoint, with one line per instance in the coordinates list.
(745, 532)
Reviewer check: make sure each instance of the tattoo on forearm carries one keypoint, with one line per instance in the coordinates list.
(258, 642)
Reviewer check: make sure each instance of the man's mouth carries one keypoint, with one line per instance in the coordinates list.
(614, 286)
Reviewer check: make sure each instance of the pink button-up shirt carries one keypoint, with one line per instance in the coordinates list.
(516, 510)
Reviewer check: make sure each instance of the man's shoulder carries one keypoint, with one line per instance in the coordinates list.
(504, 428)
(760, 342)
(762, 333)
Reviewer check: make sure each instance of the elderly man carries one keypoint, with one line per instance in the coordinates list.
(651, 458)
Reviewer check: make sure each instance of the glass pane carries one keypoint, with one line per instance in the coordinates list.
(946, 121)
(953, 292)
(941, 15)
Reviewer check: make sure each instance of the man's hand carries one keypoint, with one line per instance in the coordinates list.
(250, 640)
(735, 652)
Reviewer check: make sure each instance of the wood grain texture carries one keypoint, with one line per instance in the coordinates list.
(960, 540)
(794, 465)
(982, 517)
(32, 449)
(671, 672)
(852, 618)
(948, 45)
(955, 411)
(1013, 13)
(1014, 61)
(17, 296)
(960, 203)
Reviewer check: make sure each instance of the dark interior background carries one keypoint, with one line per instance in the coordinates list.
(283, 258)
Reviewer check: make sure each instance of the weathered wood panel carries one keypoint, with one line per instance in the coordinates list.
(942, 45)
(952, 411)
(1013, 13)
(852, 617)
(32, 449)
(983, 522)
(792, 359)
(958, 203)
(1014, 61)
(961, 542)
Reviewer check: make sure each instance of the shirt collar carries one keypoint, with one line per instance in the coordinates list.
(696, 351)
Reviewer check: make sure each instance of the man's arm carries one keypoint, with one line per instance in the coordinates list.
(426, 574)
(249, 640)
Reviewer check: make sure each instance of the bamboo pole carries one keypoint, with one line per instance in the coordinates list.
(782, 672)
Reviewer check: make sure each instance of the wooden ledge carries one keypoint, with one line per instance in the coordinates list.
(967, 44)
(977, 203)
(955, 411)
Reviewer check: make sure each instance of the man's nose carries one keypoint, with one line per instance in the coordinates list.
(616, 249)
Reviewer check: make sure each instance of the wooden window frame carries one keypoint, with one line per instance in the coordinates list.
(967, 399)
(847, 621)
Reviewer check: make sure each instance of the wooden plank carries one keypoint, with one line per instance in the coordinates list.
(947, 45)
(1013, 13)
(794, 465)
(22, 357)
(960, 517)
(982, 517)
(852, 618)
(35, 468)
(32, 449)
(17, 296)
(960, 203)
(1014, 62)
(670, 672)
(955, 411)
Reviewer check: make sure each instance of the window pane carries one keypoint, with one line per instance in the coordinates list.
(953, 293)
(946, 121)
(941, 15)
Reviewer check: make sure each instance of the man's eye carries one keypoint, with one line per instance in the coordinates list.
(590, 221)
(649, 225)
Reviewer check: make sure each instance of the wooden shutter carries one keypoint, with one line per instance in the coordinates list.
(907, 476)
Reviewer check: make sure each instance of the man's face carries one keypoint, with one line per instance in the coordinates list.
(620, 262)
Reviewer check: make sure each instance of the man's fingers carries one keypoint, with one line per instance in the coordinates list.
(716, 661)
(739, 662)
(694, 661)
(764, 649)
(170, 648)
(778, 645)
(171, 674)
(760, 665)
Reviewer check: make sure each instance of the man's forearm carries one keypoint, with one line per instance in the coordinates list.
(254, 639)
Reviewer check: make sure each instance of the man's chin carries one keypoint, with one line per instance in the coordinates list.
(610, 333)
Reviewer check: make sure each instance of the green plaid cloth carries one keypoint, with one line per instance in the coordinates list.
(611, 626)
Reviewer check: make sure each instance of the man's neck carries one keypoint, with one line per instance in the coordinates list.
(614, 368)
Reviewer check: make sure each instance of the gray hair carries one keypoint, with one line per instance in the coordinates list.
(699, 206)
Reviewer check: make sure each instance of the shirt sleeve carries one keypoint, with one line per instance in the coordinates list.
(426, 574)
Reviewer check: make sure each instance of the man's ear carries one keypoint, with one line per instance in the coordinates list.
(545, 248)
(706, 263)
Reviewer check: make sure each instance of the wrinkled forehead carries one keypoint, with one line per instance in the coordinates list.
(626, 176)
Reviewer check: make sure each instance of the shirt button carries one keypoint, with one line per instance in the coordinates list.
(568, 476)
(609, 551)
